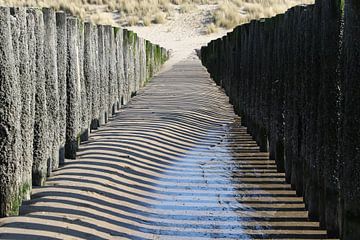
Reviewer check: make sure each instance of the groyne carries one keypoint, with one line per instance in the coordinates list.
(294, 79)
(60, 78)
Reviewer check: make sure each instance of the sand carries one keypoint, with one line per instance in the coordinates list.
(174, 164)
(182, 33)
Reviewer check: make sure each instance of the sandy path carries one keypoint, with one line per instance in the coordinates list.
(174, 164)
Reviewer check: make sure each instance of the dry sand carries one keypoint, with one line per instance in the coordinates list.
(182, 33)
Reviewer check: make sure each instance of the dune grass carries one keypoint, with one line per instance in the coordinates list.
(231, 13)
(226, 14)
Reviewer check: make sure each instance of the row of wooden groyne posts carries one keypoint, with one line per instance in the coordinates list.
(295, 80)
(60, 78)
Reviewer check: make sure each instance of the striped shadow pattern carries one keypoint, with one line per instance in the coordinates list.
(173, 164)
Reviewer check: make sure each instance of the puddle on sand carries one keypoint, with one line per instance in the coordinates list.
(230, 190)
(203, 201)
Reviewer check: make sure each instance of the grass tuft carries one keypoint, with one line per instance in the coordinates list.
(133, 20)
(147, 21)
(159, 18)
(211, 28)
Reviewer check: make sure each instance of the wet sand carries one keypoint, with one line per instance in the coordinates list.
(174, 164)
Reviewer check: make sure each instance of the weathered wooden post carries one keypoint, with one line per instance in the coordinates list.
(96, 87)
(119, 38)
(51, 87)
(10, 133)
(137, 62)
(89, 72)
(73, 90)
(312, 193)
(330, 40)
(102, 74)
(289, 86)
(351, 121)
(308, 115)
(277, 93)
(113, 86)
(297, 134)
(268, 48)
(128, 66)
(41, 134)
(261, 116)
(61, 26)
(24, 64)
(84, 109)
(106, 89)
(29, 107)
(236, 69)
